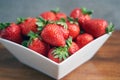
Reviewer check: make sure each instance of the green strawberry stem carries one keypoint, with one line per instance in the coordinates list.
(41, 23)
(69, 42)
(4, 25)
(110, 28)
(20, 20)
(57, 10)
(72, 20)
(62, 22)
(86, 11)
(61, 53)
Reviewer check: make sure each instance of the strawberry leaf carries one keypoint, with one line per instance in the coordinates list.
(110, 28)
(72, 20)
(61, 53)
(86, 11)
(57, 10)
(62, 22)
(25, 43)
(41, 23)
(4, 25)
(20, 20)
(69, 41)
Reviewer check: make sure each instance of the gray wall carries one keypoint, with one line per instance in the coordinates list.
(11, 9)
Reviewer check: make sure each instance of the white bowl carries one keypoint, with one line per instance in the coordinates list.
(49, 67)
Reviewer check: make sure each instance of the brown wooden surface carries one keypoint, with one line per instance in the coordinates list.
(105, 65)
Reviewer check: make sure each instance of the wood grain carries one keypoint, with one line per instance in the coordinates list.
(105, 65)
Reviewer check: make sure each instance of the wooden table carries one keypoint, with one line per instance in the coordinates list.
(105, 65)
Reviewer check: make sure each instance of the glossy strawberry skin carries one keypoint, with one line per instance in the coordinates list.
(53, 35)
(73, 48)
(48, 15)
(95, 27)
(39, 46)
(65, 32)
(51, 56)
(61, 15)
(75, 13)
(12, 33)
(84, 39)
(28, 25)
(73, 29)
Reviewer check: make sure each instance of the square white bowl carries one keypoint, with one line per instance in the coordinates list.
(49, 67)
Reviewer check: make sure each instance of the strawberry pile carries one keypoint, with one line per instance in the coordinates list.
(55, 35)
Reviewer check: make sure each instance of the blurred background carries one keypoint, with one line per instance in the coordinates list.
(11, 9)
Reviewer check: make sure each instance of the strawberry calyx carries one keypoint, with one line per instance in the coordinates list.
(57, 10)
(62, 22)
(61, 53)
(41, 23)
(4, 25)
(20, 20)
(73, 20)
(69, 42)
(86, 11)
(110, 28)
(32, 36)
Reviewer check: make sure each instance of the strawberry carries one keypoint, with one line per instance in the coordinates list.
(84, 39)
(96, 27)
(53, 35)
(11, 31)
(48, 15)
(63, 26)
(72, 46)
(59, 15)
(58, 54)
(82, 14)
(28, 25)
(73, 28)
(37, 45)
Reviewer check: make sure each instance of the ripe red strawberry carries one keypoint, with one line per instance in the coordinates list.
(96, 27)
(52, 34)
(37, 45)
(52, 57)
(74, 29)
(11, 32)
(28, 25)
(58, 54)
(84, 39)
(59, 15)
(48, 16)
(73, 48)
(82, 14)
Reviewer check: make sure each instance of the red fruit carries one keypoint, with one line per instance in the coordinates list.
(84, 39)
(28, 25)
(65, 32)
(48, 16)
(95, 27)
(83, 18)
(74, 30)
(12, 33)
(82, 14)
(39, 46)
(58, 54)
(75, 13)
(52, 34)
(52, 57)
(73, 48)
(60, 15)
